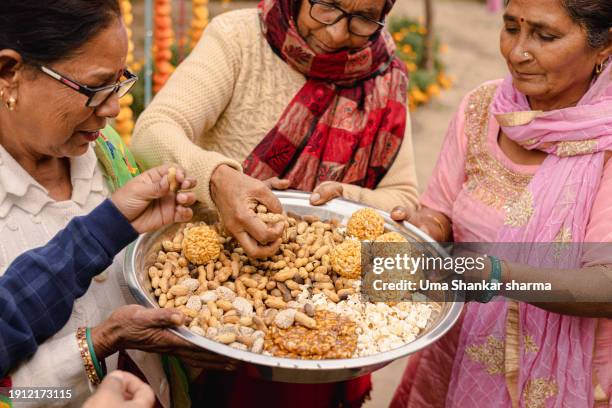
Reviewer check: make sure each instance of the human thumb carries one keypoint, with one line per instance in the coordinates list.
(163, 317)
(152, 190)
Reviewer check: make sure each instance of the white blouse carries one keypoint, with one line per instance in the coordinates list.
(29, 218)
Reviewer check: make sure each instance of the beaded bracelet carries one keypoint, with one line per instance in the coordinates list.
(90, 369)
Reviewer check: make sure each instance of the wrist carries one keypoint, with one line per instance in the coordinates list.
(438, 223)
(105, 340)
(219, 174)
(478, 274)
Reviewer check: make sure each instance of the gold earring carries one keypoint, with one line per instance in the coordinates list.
(11, 103)
(599, 68)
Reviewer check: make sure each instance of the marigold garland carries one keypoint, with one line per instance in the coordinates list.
(199, 19)
(124, 122)
(163, 39)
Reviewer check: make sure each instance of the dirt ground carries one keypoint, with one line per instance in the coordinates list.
(471, 33)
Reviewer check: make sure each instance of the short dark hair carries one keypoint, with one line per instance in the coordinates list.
(595, 16)
(45, 31)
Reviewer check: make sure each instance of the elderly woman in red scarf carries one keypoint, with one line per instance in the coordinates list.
(295, 94)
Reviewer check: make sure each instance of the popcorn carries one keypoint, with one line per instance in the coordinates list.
(381, 327)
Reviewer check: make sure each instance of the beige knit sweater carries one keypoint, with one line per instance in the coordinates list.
(225, 97)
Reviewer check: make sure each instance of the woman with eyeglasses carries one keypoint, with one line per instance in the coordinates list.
(62, 71)
(300, 94)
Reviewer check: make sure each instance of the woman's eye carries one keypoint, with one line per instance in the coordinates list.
(547, 38)
(511, 30)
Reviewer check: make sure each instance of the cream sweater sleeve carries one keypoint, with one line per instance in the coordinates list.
(188, 105)
(398, 186)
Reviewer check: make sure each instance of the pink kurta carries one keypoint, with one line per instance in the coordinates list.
(472, 184)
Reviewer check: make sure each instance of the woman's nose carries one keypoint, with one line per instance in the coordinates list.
(519, 52)
(110, 108)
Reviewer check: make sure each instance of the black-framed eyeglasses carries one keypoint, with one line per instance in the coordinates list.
(96, 96)
(330, 14)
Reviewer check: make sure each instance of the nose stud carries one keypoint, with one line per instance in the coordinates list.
(526, 54)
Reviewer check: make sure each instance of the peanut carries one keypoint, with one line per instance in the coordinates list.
(179, 290)
(172, 179)
(275, 303)
(224, 305)
(258, 345)
(331, 295)
(225, 338)
(292, 285)
(305, 321)
(284, 275)
(162, 300)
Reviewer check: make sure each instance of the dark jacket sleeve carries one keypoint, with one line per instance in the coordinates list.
(38, 289)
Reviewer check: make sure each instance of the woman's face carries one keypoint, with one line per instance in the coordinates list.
(327, 39)
(547, 53)
(50, 119)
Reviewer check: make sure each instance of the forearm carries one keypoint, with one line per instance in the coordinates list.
(385, 198)
(165, 142)
(585, 292)
(39, 288)
(189, 105)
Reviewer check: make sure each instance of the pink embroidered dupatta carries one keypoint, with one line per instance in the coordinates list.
(556, 351)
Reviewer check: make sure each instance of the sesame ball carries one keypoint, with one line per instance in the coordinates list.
(346, 259)
(365, 224)
(201, 244)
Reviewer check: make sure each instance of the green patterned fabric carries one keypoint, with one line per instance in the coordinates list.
(117, 161)
(119, 168)
(179, 383)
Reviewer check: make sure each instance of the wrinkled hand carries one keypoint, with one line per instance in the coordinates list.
(136, 327)
(232, 192)
(147, 202)
(325, 192)
(122, 390)
(275, 183)
(424, 220)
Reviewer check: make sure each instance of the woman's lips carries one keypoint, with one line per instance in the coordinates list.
(90, 136)
(525, 75)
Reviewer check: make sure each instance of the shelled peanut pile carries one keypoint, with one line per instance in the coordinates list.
(301, 303)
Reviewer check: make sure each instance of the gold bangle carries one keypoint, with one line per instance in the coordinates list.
(439, 224)
(81, 336)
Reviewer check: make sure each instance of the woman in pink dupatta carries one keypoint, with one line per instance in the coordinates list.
(526, 160)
